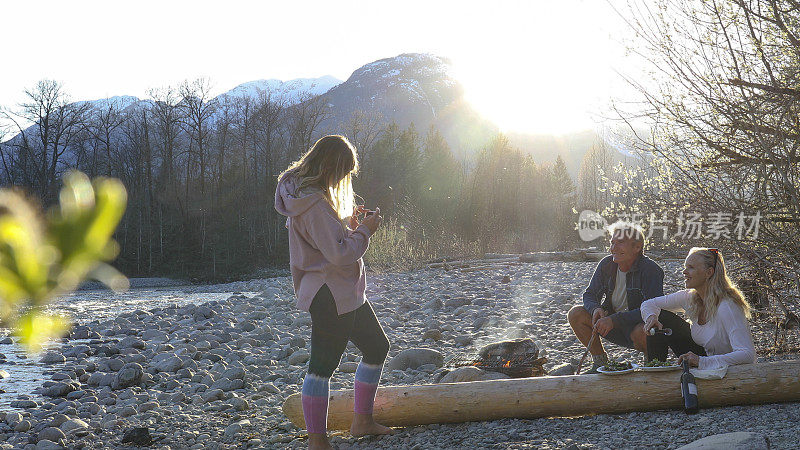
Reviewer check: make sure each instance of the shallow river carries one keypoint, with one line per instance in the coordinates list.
(26, 373)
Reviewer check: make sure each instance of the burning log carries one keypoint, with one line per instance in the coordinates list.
(515, 368)
(516, 358)
(574, 395)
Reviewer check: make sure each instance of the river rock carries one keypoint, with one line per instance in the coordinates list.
(61, 376)
(434, 304)
(24, 404)
(270, 388)
(203, 312)
(101, 379)
(456, 302)
(232, 430)
(52, 358)
(463, 340)
(348, 366)
(155, 335)
(132, 342)
(234, 373)
(59, 389)
(73, 424)
(227, 385)
(166, 362)
(562, 369)
(433, 334)
(13, 418)
(212, 395)
(108, 350)
(740, 440)
(46, 444)
(110, 365)
(22, 426)
(299, 357)
(239, 404)
(129, 375)
(57, 420)
(139, 436)
(78, 350)
(471, 373)
(414, 357)
(148, 406)
(51, 434)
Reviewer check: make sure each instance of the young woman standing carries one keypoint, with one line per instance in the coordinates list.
(326, 246)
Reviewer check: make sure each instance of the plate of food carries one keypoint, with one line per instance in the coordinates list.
(617, 368)
(659, 366)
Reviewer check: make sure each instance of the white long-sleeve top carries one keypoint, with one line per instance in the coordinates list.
(726, 336)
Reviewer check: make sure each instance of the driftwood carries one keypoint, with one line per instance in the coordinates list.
(570, 256)
(476, 262)
(498, 258)
(501, 256)
(488, 267)
(572, 395)
(445, 259)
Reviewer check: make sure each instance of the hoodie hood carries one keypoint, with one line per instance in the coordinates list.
(290, 202)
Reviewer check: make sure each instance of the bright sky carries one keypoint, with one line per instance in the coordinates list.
(530, 66)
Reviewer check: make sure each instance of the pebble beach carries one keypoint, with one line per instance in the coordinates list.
(210, 367)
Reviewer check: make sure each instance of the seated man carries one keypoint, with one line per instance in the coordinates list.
(621, 282)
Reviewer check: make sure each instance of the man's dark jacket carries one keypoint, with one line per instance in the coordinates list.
(643, 281)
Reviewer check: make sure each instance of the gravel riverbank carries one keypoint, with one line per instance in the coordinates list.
(214, 374)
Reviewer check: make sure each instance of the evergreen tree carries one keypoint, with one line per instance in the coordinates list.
(565, 200)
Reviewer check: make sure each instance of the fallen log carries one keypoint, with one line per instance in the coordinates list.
(461, 264)
(567, 256)
(490, 267)
(446, 259)
(563, 396)
(501, 256)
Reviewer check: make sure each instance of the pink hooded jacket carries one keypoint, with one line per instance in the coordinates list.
(322, 250)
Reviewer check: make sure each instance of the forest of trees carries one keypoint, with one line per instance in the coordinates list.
(201, 174)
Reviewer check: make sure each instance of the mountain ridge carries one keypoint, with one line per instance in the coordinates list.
(408, 88)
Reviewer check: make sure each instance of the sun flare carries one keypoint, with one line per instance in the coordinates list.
(553, 77)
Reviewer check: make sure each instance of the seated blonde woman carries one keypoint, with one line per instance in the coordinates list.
(717, 310)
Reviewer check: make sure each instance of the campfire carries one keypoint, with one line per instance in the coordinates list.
(518, 359)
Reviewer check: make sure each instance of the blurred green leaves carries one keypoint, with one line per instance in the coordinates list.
(45, 256)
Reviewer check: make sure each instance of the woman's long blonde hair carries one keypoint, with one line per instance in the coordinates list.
(330, 165)
(719, 286)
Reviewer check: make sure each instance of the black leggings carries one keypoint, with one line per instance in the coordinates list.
(680, 341)
(331, 331)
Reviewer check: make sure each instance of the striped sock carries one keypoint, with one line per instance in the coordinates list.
(315, 403)
(367, 378)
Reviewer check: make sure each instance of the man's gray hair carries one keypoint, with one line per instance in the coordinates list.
(629, 230)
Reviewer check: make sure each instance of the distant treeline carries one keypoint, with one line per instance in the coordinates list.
(201, 176)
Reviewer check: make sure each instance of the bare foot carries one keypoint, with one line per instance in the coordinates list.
(318, 441)
(364, 424)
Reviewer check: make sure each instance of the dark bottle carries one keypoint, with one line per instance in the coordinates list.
(688, 390)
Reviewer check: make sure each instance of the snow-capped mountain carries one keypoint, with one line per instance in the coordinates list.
(410, 88)
(293, 90)
(120, 102)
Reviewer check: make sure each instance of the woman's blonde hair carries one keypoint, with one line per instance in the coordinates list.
(719, 286)
(330, 165)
